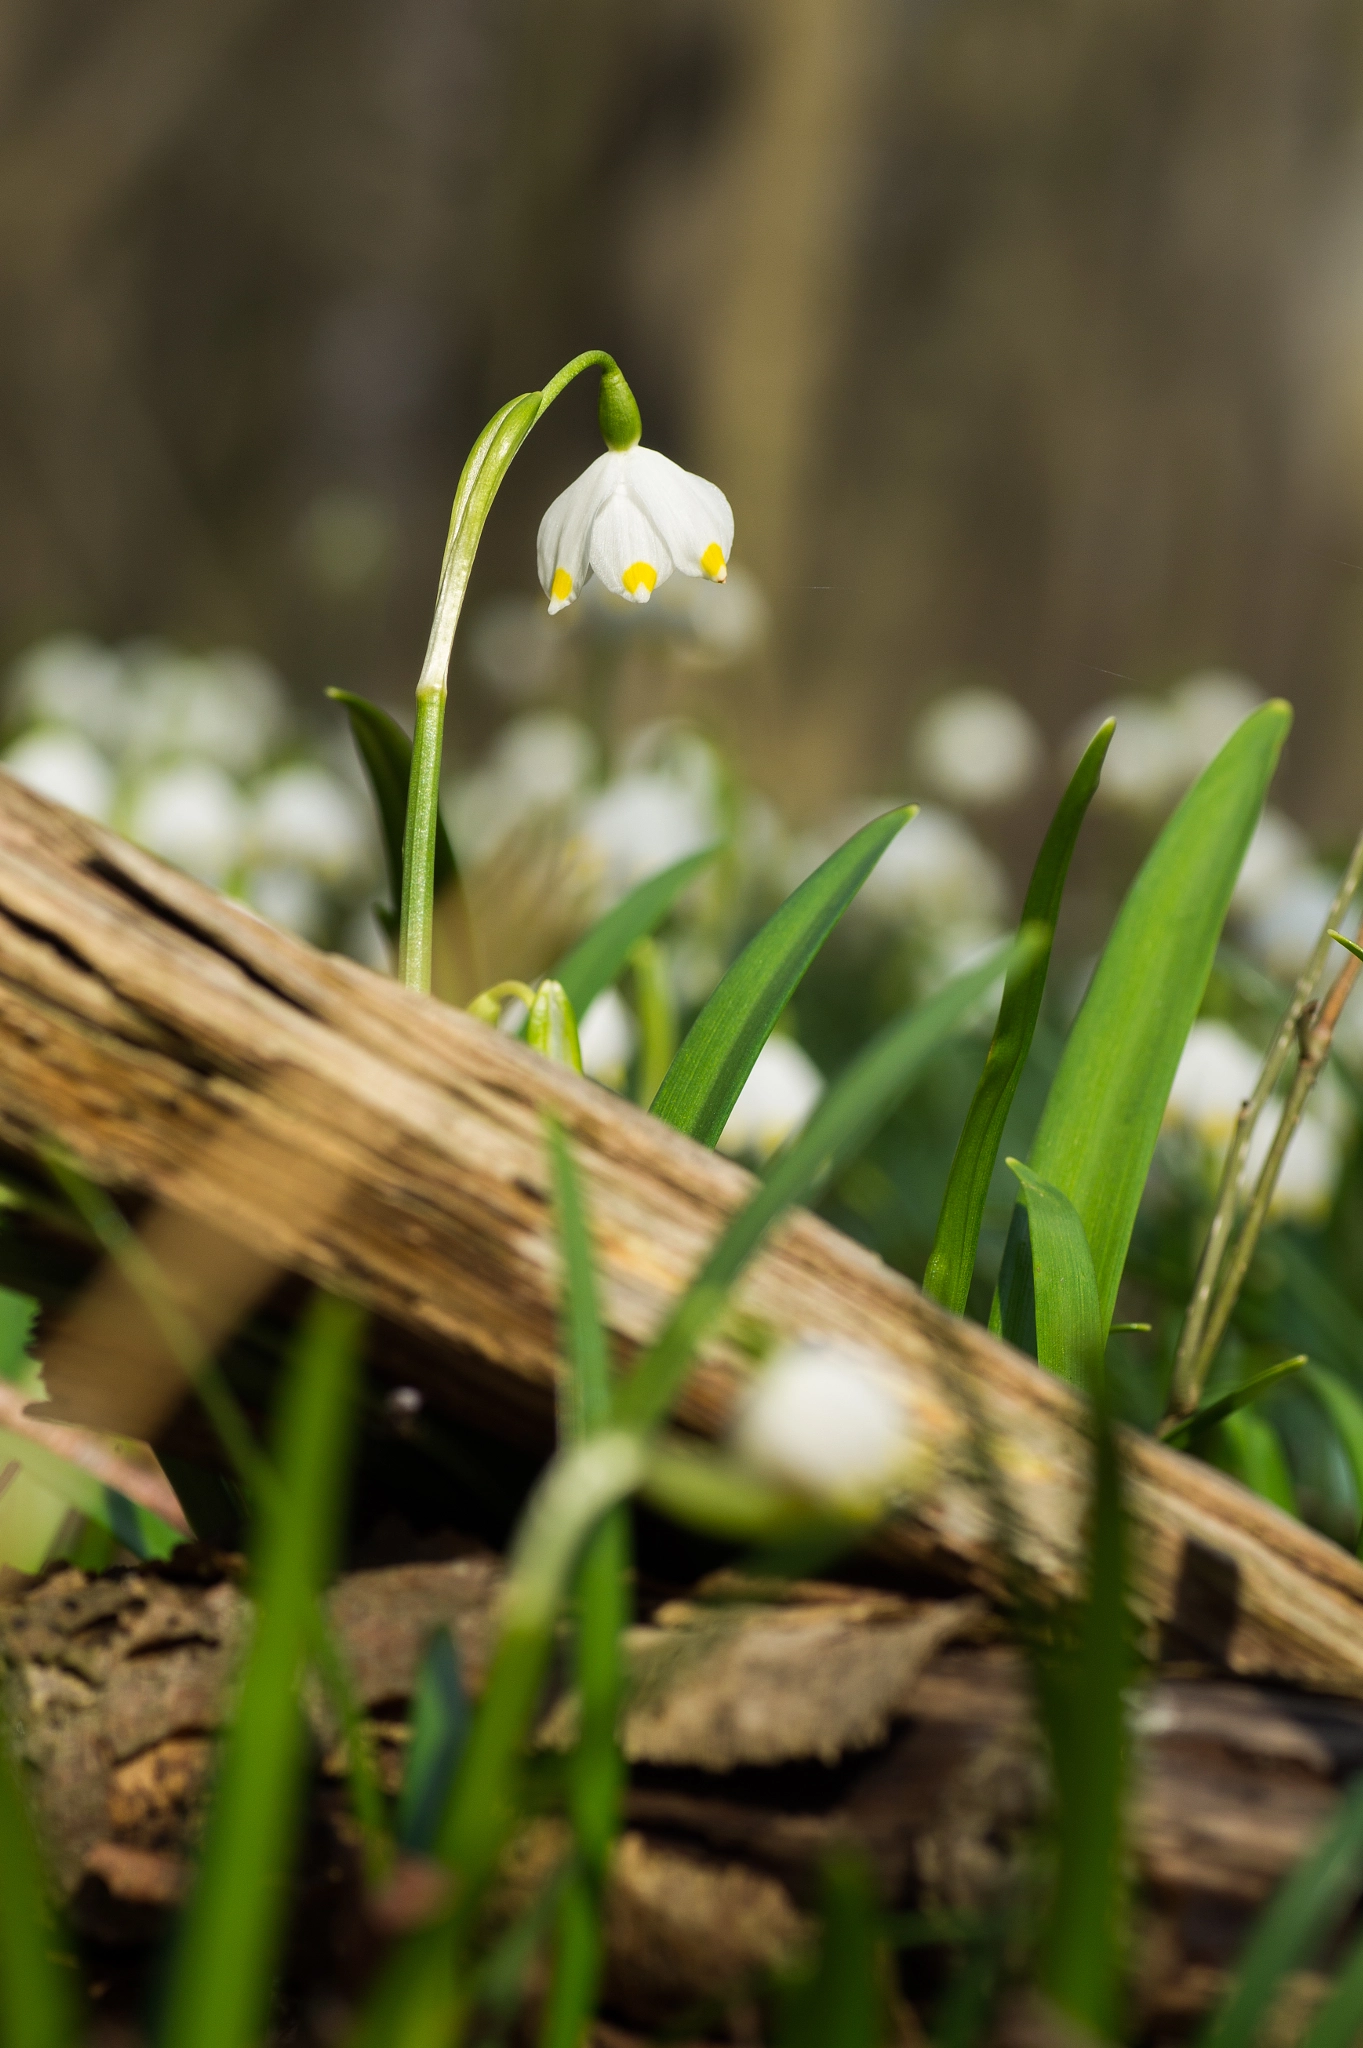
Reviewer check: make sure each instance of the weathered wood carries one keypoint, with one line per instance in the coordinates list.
(380, 1143)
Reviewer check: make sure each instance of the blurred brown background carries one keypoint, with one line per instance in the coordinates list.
(1026, 336)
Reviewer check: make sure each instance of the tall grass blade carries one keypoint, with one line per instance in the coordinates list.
(1300, 1917)
(596, 1771)
(597, 959)
(952, 1264)
(1250, 1390)
(37, 2008)
(221, 1974)
(1082, 1697)
(386, 752)
(1338, 2021)
(849, 1113)
(717, 1054)
(1102, 1116)
(1067, 1318)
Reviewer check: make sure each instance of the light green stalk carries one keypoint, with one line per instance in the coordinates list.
(488, 462)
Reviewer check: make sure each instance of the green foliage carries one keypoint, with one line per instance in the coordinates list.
(1067, 1319)
(1081, 1689)
(222, 1970)
(1345, 1411)
(839, 1127)
(718, 1052)
(17, 1315)
(551, 1027)
(386, 752)
(597, 959)
(1303, 1913)
(1102, 1117)
(952, 1261)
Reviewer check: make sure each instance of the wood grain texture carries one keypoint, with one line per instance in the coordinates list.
(387, 1146)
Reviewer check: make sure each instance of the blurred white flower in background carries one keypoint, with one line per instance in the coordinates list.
(608, 1035)
(512, 648)
(193, 814)
(288, 896)
(934, 873)
(72, 681)
(305, 816)
(1216, 1074)
(227, 708)
(1207, 708)
(537, 762)
(1277, 851)
(66, 767)
(640, 824)
(775, 1101)
(829, 1421)
(976, 746)
(1281, 934)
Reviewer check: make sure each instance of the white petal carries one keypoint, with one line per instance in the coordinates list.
(628, 553)
(690, 513)
(565, 534)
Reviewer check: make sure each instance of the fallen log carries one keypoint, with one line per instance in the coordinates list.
(304, 1114)
(921, 1751)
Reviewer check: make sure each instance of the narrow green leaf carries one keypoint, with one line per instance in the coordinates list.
(1082, 1696)
(223, 1967)
(845, 1119)
(717, 1054)
(1349, 945)
(440, 1726)
(1304, 1911)
(37, 2008)
(1345, 1411)
(139, 1529)
(1102, 1116)
(1336, 2023)
(1248, 1447)
(596, 1770)
(1069, 1324)
(597, 959)
(952, 1264)
(1212, 1412)
(386, 753)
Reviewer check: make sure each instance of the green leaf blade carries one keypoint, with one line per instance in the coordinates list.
(223, 1966)
(1069, 1323)
(1102, 1116)
(952, 1263)
(386, 752)
(597, 959)
(717, 1055)
(845, 1119)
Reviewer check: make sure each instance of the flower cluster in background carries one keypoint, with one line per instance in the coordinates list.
(200, 759)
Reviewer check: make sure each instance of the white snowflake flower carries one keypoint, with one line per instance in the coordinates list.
(632, 518)
(833, 1422)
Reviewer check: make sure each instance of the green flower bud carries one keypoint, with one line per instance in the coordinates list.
(621, 427)
(552, 1029)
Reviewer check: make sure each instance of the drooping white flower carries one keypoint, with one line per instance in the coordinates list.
(1216, 1072)
(775, 1101)
(64, 765)
(631, 519)
(830, 1421)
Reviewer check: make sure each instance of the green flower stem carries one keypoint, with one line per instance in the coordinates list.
(489, 460)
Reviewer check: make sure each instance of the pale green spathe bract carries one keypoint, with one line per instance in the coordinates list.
(1102, 1115)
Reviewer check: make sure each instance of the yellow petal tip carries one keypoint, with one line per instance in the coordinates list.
(712, 562)
(640, 581)
(561, 589)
